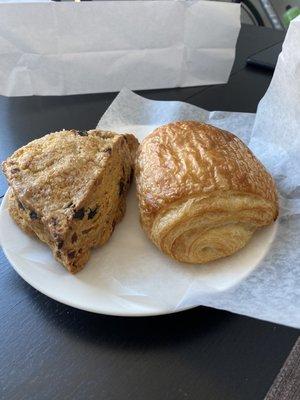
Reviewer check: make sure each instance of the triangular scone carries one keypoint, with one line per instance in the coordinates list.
(69, 187)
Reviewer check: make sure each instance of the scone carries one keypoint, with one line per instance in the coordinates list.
(202, 193)
(69, 188)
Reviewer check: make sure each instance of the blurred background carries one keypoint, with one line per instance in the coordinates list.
(271, 13)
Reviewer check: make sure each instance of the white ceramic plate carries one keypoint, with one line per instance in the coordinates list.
(128, 276)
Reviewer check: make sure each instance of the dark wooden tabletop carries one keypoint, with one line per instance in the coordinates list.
(52, 351)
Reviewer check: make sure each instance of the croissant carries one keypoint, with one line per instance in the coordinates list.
(201, 191)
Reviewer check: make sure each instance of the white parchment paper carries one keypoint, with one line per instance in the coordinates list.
(130, 276)
(264, 282)
(61, 48)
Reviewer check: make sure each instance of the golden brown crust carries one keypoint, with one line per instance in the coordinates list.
(69, 188)
(133, 144)
(190, 171)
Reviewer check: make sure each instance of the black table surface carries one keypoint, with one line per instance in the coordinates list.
(52, 351)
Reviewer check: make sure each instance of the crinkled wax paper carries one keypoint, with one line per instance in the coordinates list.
(61, 48)
(263, 279)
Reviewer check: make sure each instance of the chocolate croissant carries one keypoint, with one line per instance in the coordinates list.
(202, 193)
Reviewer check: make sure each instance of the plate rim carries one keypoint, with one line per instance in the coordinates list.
(96, 310)
(78, 306)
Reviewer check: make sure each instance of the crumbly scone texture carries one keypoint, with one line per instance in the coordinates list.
(202, 193)
(69, 188)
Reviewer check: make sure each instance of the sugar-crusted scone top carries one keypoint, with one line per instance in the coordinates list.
(60, 166)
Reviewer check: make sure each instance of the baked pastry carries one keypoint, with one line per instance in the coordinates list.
(202, 193)
(69, 187)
